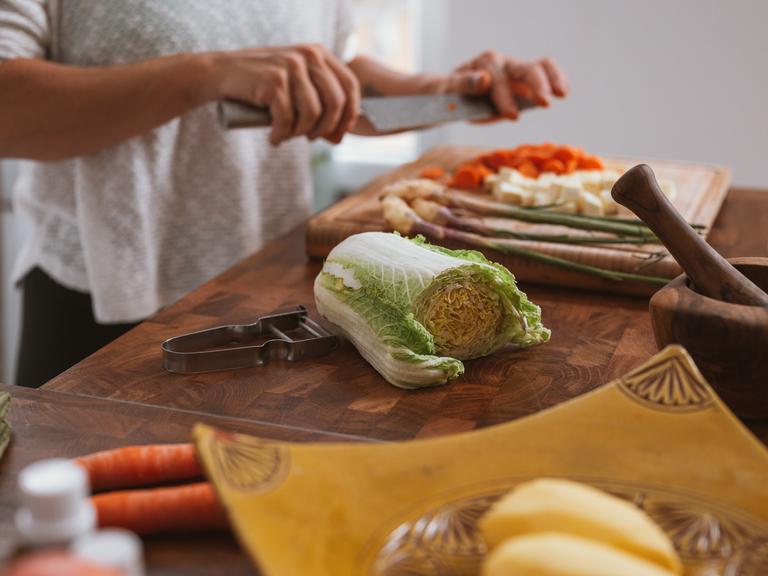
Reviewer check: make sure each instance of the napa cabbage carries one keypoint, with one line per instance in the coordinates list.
(414, 310)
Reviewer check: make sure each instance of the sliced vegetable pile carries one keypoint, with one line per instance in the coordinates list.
(560, 178)
(483, 202)
(425, 207)
(530, 160)
(414, 310)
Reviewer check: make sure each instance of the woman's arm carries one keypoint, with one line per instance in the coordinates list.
(51, 111)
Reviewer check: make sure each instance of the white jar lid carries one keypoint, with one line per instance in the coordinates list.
(54, 504)
(114, 548)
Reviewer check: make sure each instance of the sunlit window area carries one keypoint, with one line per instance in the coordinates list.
(385, 29)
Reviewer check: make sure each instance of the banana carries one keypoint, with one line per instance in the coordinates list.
(555, 554)
(552, 505)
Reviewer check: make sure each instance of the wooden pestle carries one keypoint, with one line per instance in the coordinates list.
(711, 274)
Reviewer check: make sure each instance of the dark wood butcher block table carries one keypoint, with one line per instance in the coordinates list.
(121, 395)
(52, 424)
(595, 338)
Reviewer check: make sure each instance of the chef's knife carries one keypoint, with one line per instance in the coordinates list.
(385, 113)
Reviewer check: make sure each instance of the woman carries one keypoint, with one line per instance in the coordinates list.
(136, 196)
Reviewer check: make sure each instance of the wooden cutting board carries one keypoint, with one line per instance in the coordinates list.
(701, 190)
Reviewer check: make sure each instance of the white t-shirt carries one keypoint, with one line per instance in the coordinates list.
(142, 223)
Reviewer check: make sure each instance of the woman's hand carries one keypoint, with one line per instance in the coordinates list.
(491, 73)
(308, 90)
(504, 78)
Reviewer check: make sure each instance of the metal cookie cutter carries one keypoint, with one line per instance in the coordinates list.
(230, 347)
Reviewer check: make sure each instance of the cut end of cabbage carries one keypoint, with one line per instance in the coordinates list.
(464, 314)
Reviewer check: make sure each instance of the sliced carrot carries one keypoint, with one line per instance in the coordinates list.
(553, 165)
(188, 508)
(538, 157)
(470, 176)
(497, 159)
(529, 169)
(571, 165)
(530, 159)
(483, 173)
(591, 163)
(523, 150)
(465, 177)
(432, 172)
(141, 465)
(518, 160)
(487, 160)
(568, 153)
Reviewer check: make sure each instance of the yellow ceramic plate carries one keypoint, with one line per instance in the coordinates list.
(658, 436)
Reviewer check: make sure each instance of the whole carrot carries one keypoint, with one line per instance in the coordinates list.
(432, 172)
(135, 466)
(187, 508)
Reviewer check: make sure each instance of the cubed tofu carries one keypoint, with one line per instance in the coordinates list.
(514, 177)
(490, 182)
(542, 187)
(511, 175)
(591, 180)
(512, 194)
(568, 190)
(567, 207)
(544, 197)
(609, 178)
(546, 178)
(609, 204)
(590, 204)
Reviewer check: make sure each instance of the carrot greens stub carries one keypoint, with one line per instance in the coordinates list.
(415, 310)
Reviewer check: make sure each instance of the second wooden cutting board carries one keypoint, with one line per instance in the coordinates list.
(701, 190)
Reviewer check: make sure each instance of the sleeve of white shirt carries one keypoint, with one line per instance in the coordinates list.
(345, 44)
(24, 29)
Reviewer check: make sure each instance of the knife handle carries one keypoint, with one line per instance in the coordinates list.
(238, 115)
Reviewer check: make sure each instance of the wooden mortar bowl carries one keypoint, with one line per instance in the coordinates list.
(728, 342)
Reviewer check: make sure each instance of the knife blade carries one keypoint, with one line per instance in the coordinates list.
(385, 113)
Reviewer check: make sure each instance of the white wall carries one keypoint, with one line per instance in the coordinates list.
(673, 79)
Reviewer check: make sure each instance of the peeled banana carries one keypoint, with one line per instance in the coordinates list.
(553, 554)
(552, 505)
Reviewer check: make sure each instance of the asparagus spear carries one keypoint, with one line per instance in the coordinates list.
(406, 221)
(494, 208)
(469, 222)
